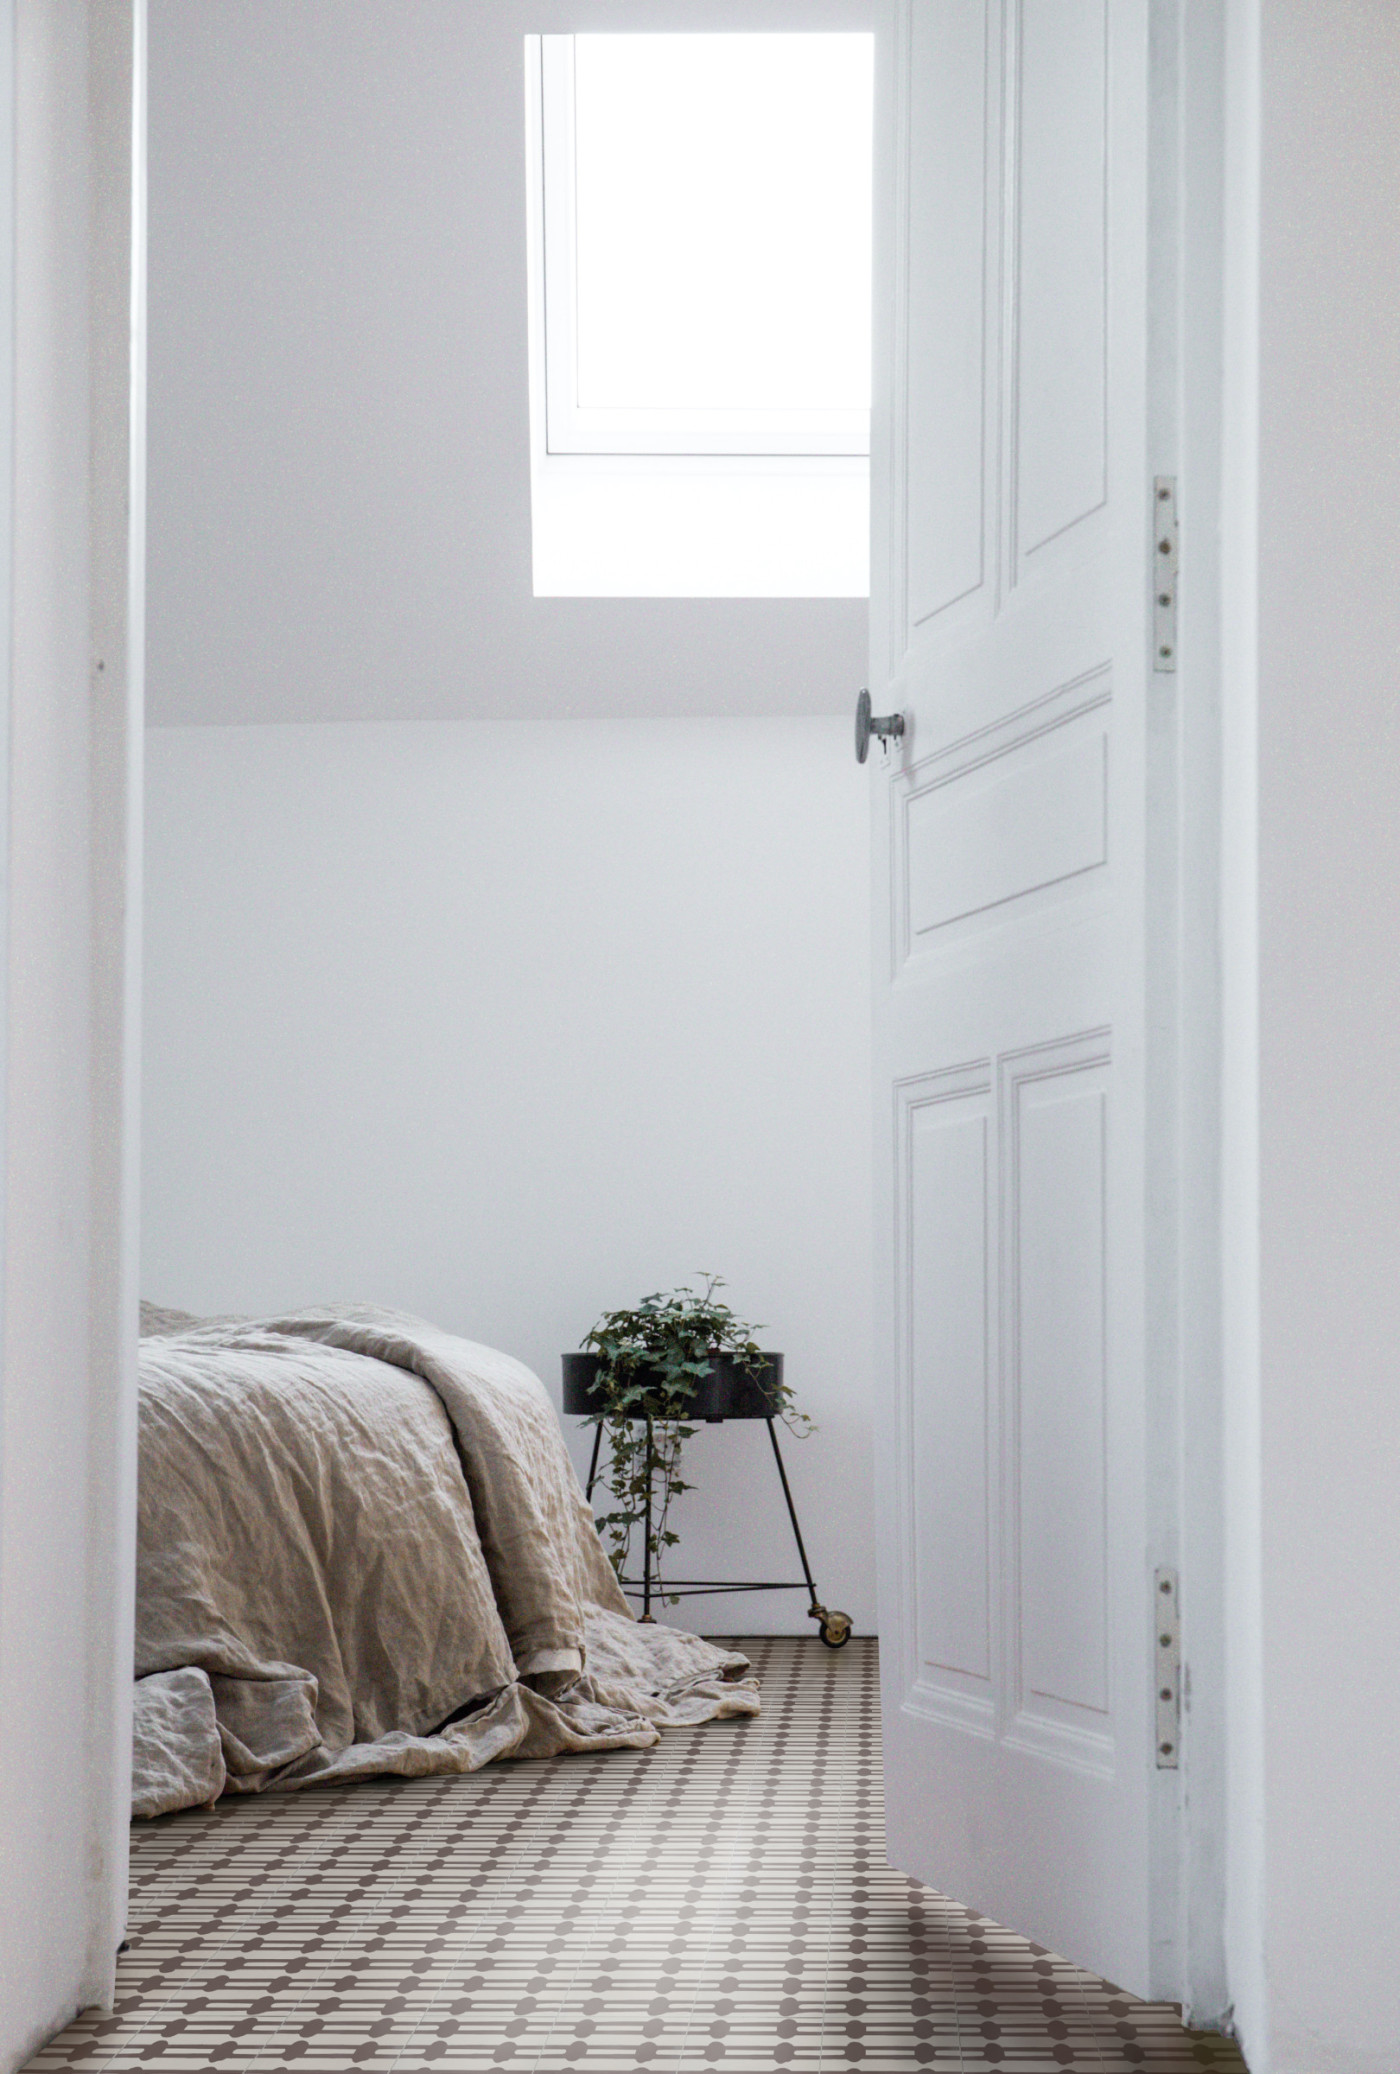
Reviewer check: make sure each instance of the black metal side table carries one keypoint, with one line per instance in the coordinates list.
(727, 1392)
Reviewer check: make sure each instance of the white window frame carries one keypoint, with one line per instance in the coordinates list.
(643, 524)
(572, 428)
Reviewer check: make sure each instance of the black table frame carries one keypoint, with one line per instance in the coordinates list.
(835, 1627)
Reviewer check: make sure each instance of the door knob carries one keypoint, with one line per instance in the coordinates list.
(890, 728)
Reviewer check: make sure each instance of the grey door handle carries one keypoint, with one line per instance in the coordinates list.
(889, 729)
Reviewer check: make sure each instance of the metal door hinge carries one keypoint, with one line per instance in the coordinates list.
(1167, 1659)
(1164, 568)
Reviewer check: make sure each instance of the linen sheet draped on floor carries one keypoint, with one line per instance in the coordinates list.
(353, 1528)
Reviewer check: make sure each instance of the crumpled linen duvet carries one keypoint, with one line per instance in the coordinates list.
(362, 1548)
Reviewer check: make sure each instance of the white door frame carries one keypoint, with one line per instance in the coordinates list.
(117, 86)
(73, 75)
(1202, 135)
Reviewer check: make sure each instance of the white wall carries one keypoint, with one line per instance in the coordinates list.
(67, 1470)
(518, 1129)
(340, 522)
(1329, 1013)
(510, 1024)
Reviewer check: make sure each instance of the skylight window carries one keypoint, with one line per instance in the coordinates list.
(700, 313)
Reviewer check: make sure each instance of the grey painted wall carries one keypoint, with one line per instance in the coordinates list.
(339, 490)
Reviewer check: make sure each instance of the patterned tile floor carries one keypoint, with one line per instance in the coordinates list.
(721, 1901)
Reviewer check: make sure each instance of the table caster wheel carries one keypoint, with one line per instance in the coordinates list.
(833, 1627)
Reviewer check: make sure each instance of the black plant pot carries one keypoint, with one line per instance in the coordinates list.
(729, 1391)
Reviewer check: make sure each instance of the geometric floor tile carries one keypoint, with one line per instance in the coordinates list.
(721, 1901)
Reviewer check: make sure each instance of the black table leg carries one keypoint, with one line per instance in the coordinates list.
(792, 1513)
(833, 1626)
(593, 1465)
(646, 1544)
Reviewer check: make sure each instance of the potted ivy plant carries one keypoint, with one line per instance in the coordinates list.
(647, 1377)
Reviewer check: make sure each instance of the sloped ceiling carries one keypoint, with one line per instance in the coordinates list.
(339, 493)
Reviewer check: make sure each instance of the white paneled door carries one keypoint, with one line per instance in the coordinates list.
(1013, 627)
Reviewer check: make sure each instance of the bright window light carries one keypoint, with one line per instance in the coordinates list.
(700, 313)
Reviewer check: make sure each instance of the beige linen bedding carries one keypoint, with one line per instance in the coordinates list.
(362, 1548)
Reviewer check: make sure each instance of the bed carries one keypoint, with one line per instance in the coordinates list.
(362, 1549)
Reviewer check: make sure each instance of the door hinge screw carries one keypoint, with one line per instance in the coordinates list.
(1164, 574)
(1167, 1670)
